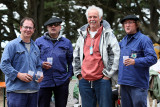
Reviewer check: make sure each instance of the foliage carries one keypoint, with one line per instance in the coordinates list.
(73, 14)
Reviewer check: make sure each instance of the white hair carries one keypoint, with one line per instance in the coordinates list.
(93, 7)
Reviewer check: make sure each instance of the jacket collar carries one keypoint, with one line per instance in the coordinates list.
(46, 35)
(21, 41)
(136, 35)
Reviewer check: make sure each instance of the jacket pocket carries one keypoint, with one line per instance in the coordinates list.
(63, 49)
(135, 53)
(34, 56)
(45, 50)
(19, 56)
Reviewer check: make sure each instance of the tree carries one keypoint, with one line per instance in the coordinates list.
(73, 14)
(150, 20)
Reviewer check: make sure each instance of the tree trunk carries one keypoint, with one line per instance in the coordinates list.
(36, 10)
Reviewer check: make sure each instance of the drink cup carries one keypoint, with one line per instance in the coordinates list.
(39, 74)
(124, 58)
(31, 72)
(50, 60)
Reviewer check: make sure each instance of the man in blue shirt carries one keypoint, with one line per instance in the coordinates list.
(58, 72)
(20, 56)
(134, 71)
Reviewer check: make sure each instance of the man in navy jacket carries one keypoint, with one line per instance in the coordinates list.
(57, 74)
(134, 71)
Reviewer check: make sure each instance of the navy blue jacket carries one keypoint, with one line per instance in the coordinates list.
(62, 53)
(139, 47)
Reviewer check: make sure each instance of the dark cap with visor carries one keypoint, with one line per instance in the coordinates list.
(129, 17)
(53, 20)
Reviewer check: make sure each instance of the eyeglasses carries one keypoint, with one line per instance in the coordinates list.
(129, 22)
(27, 27)
(54, 24)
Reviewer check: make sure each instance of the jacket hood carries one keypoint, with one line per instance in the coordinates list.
(46, 35)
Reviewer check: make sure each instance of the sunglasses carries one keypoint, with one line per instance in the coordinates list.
(54, 24)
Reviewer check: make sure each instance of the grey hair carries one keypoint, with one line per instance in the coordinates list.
(93, 7)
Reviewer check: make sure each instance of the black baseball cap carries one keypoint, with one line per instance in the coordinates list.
(53, 20)
(129, 17)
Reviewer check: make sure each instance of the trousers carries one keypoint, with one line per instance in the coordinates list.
(133, 96)
(94, 92)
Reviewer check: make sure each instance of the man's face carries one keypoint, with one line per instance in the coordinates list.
(27, 29)
(93, 19)
(54, 29)
(130, 26)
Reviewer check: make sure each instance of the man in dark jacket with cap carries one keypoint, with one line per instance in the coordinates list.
(137, 55)
(56, 55)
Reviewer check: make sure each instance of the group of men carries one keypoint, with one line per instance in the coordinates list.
(97, 59)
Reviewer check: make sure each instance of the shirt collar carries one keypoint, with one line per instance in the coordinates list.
(21, 41)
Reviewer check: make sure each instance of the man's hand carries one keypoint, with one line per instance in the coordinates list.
(106, 78)
(46, 65)
(129, 61)
(79, 77)
(40, 79)
(24, 77)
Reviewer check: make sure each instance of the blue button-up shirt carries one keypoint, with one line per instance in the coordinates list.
(140, 48)
(62, 53)
(16, 58)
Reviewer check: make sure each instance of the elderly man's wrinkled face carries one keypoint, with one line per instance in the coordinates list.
(94, 20)
(130, 26)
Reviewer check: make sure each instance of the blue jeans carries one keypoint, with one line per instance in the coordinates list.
(133, 96)
(96, 91)
(22, 99)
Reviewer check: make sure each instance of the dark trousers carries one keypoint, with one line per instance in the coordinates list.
(133, 96)
(114, 97)
(60, 95)
(22, 99)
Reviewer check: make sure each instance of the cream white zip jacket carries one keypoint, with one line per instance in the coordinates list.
(109, 50)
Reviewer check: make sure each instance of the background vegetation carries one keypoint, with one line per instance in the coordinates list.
(73, 14)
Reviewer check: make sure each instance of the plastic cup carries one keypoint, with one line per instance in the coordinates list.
(124, 58)
(50, 60)
(38, 75)
(31, 72)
